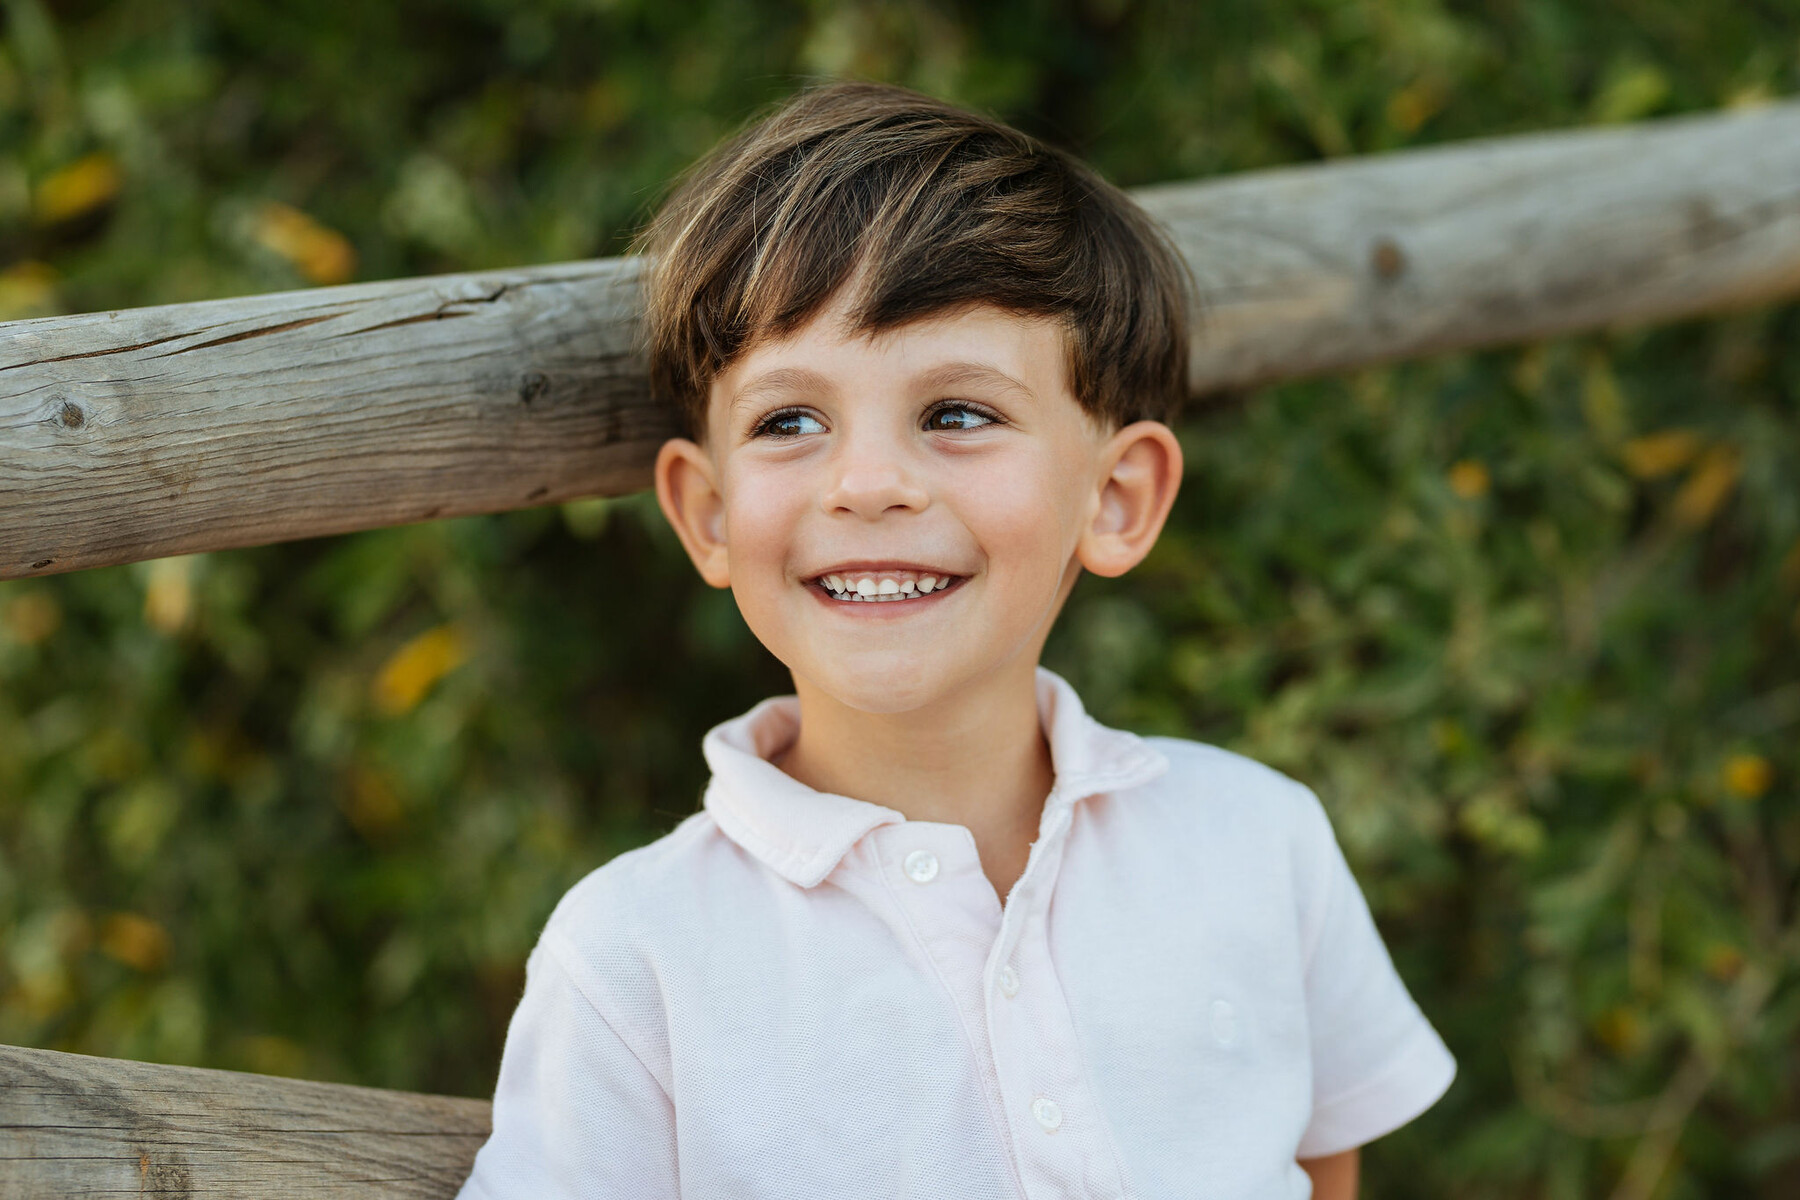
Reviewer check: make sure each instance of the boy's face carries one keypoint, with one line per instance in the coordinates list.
(942, 470)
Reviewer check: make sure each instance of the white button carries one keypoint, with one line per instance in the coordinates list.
(921, 866)
(1047, 1113)
(1009, 980)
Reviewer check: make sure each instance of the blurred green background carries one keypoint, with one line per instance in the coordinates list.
(1529, 621)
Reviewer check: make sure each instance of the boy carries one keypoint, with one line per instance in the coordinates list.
(937, 932)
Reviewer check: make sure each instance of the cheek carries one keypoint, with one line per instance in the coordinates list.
(1023, 516)
(762, 513)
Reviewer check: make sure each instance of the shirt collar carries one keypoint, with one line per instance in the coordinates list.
(803, 834)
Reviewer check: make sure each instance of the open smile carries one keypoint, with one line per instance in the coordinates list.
(883, 586)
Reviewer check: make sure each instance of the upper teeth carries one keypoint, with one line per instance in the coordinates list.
(885, 585)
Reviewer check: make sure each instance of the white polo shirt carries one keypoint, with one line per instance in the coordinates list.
(797, 994)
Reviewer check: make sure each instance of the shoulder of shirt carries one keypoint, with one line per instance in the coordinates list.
(1223, 782)
(640, 883)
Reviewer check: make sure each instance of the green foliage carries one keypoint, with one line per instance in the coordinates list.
(1528, 621)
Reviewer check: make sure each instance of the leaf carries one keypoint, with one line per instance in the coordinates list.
(1469, 479)
(77, 189)
(415, 667)
(27, 289)
(135, 940)
(169, 593)
(1602, 403)
(31, 616)
(1631, 92)
(320, 254)
(1655, 455)
(1708, 487)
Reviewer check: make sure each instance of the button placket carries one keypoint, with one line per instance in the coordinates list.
(1062, 1144)
(952, 917)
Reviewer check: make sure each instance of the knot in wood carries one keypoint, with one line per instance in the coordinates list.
(1387, 260)
(71, 415)
(534, 385)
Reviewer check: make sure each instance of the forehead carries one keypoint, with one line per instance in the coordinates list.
(980, 346)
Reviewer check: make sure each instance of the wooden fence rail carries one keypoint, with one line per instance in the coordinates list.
(73, 1127)
(189, 427)
(155, 431)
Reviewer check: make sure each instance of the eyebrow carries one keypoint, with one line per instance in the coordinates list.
(780, 381)
(789, 380)
(961, 374)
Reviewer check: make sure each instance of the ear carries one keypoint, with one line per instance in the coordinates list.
(1140, 471)
(688, 492)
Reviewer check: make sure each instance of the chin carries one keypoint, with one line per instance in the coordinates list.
(884, 691)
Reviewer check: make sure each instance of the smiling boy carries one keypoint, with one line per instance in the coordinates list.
(937, 932)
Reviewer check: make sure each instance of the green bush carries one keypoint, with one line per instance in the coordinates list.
(1528, 621)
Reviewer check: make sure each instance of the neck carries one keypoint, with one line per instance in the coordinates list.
(977, 758)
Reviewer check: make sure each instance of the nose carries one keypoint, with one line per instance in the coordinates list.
(868, 481)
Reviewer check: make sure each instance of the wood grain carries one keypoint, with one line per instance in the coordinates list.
(157, 431)
(72, 1126)
(1309, 270)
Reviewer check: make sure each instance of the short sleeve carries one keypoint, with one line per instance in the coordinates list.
(1376, 1061)
(576, 1113)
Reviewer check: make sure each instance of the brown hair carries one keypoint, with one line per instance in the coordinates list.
(929, 208)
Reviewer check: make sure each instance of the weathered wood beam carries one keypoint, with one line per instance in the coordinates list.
(156, 431)
(73, 1126)
(1310, 270)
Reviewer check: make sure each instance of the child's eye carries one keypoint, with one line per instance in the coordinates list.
(958, 416)
(790, 422)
